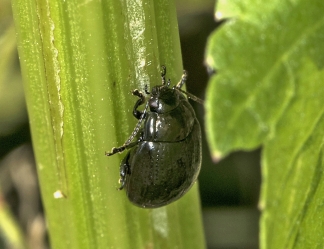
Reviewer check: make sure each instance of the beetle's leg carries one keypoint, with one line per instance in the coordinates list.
(163, 73)
(146, 91)
(168, 83)
(183, 79)
(129, 144)
(124, 170)
(138, 114)
(121, 148)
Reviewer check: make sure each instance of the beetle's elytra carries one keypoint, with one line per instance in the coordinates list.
(164, 156)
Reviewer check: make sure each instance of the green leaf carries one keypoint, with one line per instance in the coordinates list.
(11, 234)
(80, 60)
(13, 111)
(268, 90)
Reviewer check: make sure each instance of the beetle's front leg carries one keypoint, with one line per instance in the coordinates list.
(138, 114)
(124, 170)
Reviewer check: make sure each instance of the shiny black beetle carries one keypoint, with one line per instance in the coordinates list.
(165, 157)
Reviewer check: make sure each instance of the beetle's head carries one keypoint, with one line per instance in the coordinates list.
(163, 99)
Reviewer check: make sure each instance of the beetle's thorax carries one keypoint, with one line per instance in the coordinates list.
(163, 99)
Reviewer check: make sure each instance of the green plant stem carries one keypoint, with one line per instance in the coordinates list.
(80, 60)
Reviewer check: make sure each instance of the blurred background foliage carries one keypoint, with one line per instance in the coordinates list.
(229, 189)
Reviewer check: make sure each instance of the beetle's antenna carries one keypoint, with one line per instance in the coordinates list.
(137, 127)
(183, 79)
(182, 82)
(191, 96)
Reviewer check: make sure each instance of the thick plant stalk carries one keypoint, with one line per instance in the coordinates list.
(80, 60)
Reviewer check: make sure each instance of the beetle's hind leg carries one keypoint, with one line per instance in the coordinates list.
(138, 114)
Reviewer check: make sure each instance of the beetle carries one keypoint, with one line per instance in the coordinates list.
(164, 157)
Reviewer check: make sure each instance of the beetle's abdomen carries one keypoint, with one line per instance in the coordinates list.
(171, 126)
(162, 172)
